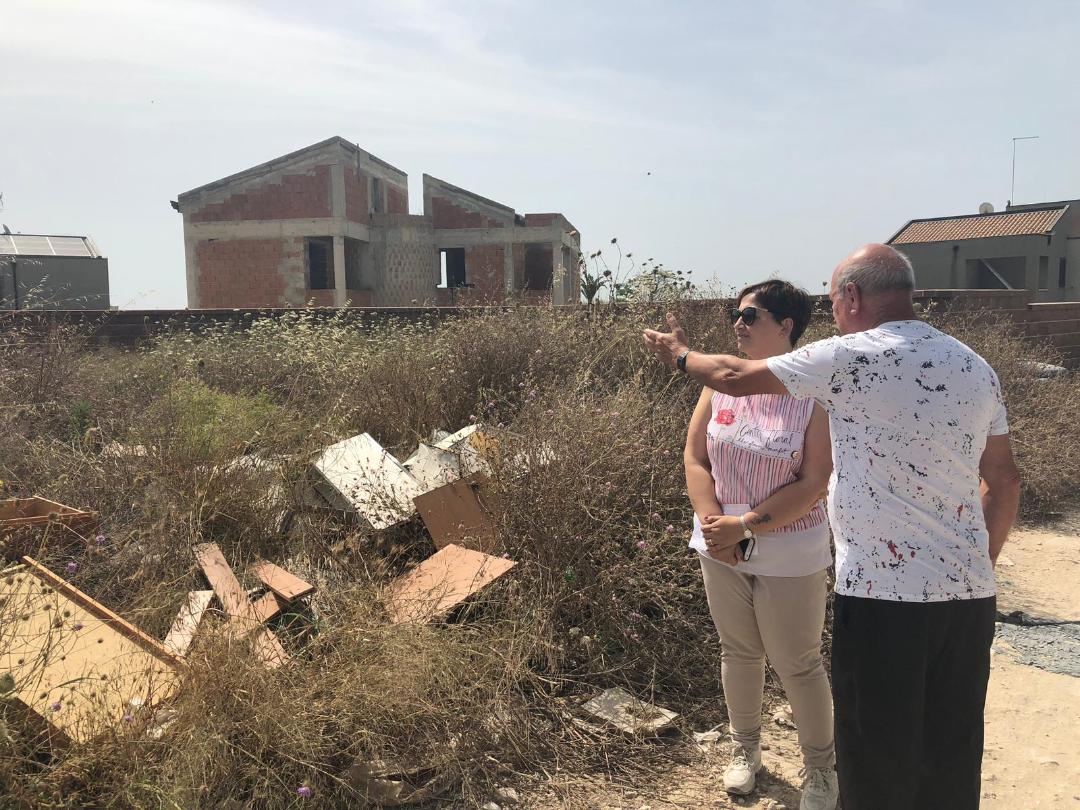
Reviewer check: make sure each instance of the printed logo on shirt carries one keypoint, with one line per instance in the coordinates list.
(767, 441)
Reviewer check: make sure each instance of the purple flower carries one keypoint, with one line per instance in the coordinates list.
(304, 792)
(57, 706)
(669, 529)
(101, 540)
(506, 555)
(641, 544)
(655, 516)
(72, 567)
(635, 637)
(472, 417)
(78, 626)
(128, 717)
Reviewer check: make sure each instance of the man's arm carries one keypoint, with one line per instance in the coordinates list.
(1000, 490)
(720, 372)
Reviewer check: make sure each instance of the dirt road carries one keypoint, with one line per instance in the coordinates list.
(1032, 759)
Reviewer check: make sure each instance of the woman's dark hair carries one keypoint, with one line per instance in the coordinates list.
(784, 300)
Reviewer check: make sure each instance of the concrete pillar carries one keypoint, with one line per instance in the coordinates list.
(340, 293)
(558, 275)
(508, 267)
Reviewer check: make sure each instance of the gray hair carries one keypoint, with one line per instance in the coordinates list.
(881, 271)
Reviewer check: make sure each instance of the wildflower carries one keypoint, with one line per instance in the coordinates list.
(472, 417)
(101, 540)
(57, 706)
(669, 529)
(635, 637)
(655, 516)
(72, 567)
(539, 351)
(304, 792)
(549, 412)
(506, 555)
(641, 544)
(78, 626)
(128, 717)
(667, 452)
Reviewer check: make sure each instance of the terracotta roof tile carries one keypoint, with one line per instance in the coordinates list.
(979, 226)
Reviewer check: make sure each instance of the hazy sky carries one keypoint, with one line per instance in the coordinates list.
(779, 135)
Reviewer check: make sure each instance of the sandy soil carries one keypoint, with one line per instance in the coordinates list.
(1032, 755)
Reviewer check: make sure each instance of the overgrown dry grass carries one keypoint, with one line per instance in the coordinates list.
(605, 592)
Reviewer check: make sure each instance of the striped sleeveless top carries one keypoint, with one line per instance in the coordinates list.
(756, 447)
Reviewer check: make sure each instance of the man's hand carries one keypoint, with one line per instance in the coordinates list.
(667, 346)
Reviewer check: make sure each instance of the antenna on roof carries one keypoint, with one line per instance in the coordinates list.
(986, 208)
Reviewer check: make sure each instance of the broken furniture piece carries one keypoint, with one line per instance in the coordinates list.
(358, 475)
(458, 455)
(628, 714)
(460, 513)
(244, 620)
(75, 664)
(442, 582)
(38, 512)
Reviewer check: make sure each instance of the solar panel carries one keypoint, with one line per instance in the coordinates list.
(30, 245)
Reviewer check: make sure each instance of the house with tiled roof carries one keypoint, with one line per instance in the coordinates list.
(1034, 247)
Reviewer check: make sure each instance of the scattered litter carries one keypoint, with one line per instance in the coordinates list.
(441, 582)
(713, 735)
(628, 714)
(182, 632)
(117, 450)
(784, 717)
(358, 475)
(1044, 371)
(394, 784)
(507, 795)
(75, 664)
(455, 456)
(243, 617)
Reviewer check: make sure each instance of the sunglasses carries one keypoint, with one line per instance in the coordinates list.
(748, 315)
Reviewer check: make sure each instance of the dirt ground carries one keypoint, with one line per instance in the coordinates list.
(1032, 758)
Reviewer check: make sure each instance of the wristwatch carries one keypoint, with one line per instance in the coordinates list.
(746, 532)
(680, 361)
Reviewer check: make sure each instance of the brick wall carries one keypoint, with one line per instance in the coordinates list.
(357, 208)
(293, 196)
(446, 214)
(251, 273)
(397, 200)
(485, 271)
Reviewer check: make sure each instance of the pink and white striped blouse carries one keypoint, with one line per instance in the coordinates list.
(756, 447)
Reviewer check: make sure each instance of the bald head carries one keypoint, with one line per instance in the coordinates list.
(872, 286)
(876, 269)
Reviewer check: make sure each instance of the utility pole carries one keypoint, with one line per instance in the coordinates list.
(1012, 189)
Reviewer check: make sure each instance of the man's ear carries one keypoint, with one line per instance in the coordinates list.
(788, 324)
(853, 297)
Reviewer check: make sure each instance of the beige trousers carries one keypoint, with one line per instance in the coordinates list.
(782, 618)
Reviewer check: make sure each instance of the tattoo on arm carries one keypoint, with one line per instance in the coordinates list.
(757, 520)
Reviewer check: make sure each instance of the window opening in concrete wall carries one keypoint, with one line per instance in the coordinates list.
(320, 261)
(1044, 272)
(1061, 272)
(539, 261)
(998, 273)
(377, 206)
(452, 268)
(354, 277)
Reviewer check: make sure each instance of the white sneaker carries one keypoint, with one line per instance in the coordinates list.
(740, 776)
(820, 789)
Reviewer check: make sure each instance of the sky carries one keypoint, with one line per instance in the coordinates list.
(731, 140)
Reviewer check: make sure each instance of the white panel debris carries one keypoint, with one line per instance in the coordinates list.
(363, 477)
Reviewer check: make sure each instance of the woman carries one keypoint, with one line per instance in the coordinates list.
(756, 467)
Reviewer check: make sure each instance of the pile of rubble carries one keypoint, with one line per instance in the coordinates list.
(75, 669)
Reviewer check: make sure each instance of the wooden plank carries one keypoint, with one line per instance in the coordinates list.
(460, 513)
(16, 513)
(441, 582)
(280, 581)
(187, 621)
(268, 606)
(77, 666)
(237, 605)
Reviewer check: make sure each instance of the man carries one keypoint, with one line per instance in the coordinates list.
(916, 418)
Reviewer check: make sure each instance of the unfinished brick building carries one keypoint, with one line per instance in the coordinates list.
(330, 225)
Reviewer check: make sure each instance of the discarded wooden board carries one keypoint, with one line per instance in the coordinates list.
(182, 632)
(269, 605)
(280, 581)
(359, 475)
(460, 513)
(441, 582)
(237, 605)
(76, 665)
(628, 714)
(17, 513)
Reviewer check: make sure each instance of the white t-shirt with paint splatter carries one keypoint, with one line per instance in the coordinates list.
(910, 409)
